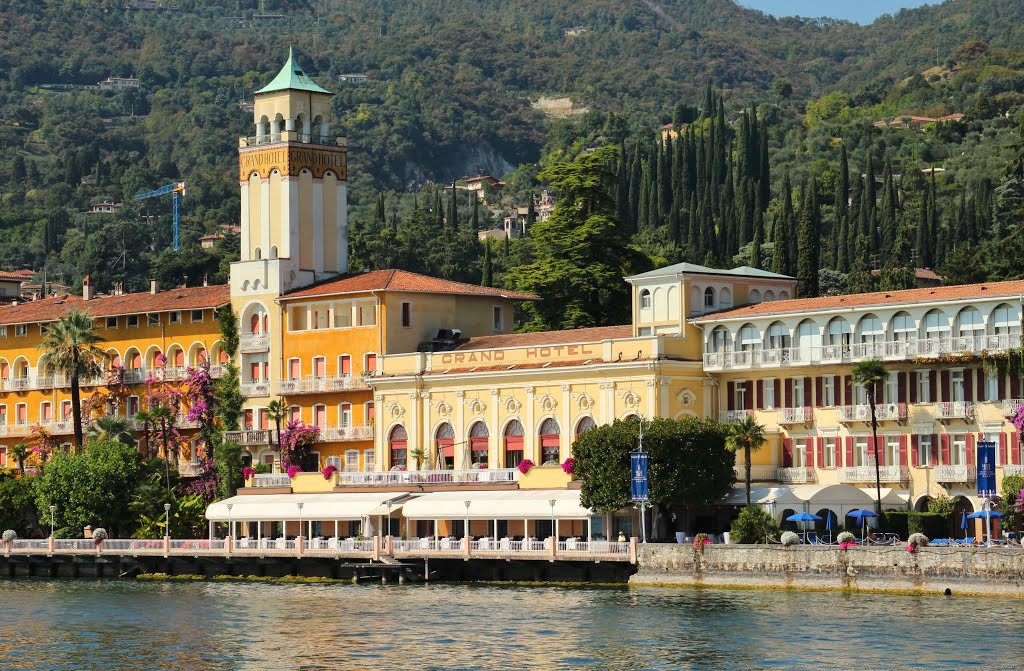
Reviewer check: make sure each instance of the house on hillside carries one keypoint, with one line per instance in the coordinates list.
(353, 79)
(911, 122)
(119, 83)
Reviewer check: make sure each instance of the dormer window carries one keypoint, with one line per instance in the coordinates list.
(709, 298)
(645, 300)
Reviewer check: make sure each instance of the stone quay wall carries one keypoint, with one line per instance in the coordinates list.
(941, 570)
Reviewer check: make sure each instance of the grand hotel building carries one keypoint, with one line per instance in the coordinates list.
(420, 387)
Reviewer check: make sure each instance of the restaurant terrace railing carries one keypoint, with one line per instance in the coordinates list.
(318, 385)
(892, 350)
(884, 412)
(445, 477)
(866, 474)
(961, 473)
(252, 437)
(795, 476)
(275, 480)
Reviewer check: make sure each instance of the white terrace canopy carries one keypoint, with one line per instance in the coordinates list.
(534, 504)
(319, 507)
(840, 499)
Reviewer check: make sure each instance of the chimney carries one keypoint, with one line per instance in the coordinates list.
(154, 286)
(206, 280)
(87, 290)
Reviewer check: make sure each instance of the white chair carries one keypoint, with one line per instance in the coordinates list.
(505, 544)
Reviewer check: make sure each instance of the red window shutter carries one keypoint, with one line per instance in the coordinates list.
(970, 448)
(1014, 448)
(945, 448)
(903, 450)
(912, 386)
(901, 387)
(880, 393)
(913, 450)
(749, 397)
(778, 392)
(945, 386)
(1002, 448)
(969, 386)
(837, 458)
(847, 390)
(880, 450)
(789, 393)
(818, 392)
(1001, 386)
(1014, 386)
(935, 449)
(787, 452)
(933, 389)
(254, 370)
(849, 450)
(979, 375)
(821, 452)
(730, 392)
(809, 452)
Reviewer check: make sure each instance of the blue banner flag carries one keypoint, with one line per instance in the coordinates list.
(986, 468)
(638, 469)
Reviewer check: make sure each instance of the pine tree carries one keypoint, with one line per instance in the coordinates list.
(809, 259)
(755, 245)
(487, 279)
(476, 214)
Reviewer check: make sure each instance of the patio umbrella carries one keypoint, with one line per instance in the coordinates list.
(863, 516)
(828, 523)
(963, 522)
(803, 517)
(980, 515)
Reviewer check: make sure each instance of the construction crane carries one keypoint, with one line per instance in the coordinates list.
(177, 190)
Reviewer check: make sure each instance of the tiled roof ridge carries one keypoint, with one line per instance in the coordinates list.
(397, 279)
(547, 338)
(53, 307)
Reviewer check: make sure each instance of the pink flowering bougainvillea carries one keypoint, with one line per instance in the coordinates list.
(569, 465)
(329, 471)
(294, 470)
(525, 465)
(248, 472)
(296, 439)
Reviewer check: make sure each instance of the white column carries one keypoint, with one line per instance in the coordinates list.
(243, 221)
(651, 412)
(425, 440)
(318, 226)
(566, 436)
(342, 195)
(607, 401)
(531, 449)
(289, 125)
(460, 431)
(265, 217)
(663, 398)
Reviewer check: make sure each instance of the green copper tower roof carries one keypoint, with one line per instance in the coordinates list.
(292, 77)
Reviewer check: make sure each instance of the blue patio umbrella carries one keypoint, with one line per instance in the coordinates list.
(963, 522)
(863, 516)
(803, 517)
(828, 520)
(980, 515)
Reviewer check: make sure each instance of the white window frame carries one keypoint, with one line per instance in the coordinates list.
(645, 299)
(924, 386)
(130, 319)
(860, 450)
(828, 391)
(958, 449)
(768, 393)
(828, 449)
(892, 450)
(345, 414)
(20, 330)
(152, 319)
(192, 316)
(333, 461)
(957, 385)
(498, 318)
(992, 385)
(369, 460)
(740, 395)
(799, 452)
(799, 393)
(316, 414)
(924, 450)
(351, 455)
(174, 317)
(891, 388)
(288, 368)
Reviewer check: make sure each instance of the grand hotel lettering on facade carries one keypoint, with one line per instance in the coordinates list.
(342, 351)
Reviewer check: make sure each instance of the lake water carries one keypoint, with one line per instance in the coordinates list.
(121, 625)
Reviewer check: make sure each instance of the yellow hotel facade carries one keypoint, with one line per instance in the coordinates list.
(428, 403)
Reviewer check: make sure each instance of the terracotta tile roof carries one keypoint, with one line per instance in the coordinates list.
(16, 277)
(49, 309)
(542, 338)
(1012, 288)
(400, 280)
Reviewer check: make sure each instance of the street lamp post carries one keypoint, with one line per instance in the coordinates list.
(389, 518)
(466, 534)
(167, 519)
(53, 510)
(300, 504)
(551, 502)
(231, 528)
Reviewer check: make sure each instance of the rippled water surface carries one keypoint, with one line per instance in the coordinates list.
(210, 626)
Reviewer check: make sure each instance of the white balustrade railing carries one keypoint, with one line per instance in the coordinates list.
(345, 433)
(954, 410)
(1013, 469)
(758, 473)
(884, 412)
(252, 437)
(190, 469)
(134, 375)
(277, 480)
(31, 544)
(153, 545)
(255, 388)
(254, 342)
(866, 474)
(889, 350)
(465, 476)
(800, 415)
(1012, 406)
(799, 475)
(960, 473)
(216, 371)
(735, 416)
(316, 385)
(16, 429)
(74, 544)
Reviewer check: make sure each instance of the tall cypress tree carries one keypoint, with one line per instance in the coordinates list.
(841, 210)
(809, 259)
(781, 261)
(487, 279)
(476, 214)
(755, 245)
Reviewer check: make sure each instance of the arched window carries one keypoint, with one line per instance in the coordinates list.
(444, 441)
(584, 425)
(869, 330)
(902, 328)
(838, 333)
(478, 440)
(709, 298)
(1005, 322)
(769, 295)
(807, 337)
(513, 444)
(719, 341)
(777, 336)
(749, 338)
(645, 299)
(935, 325)
(725, 298)
(255, 323)
(398, 442)
(258, 254)
(550, 440)
(755, 296)
(969, 323)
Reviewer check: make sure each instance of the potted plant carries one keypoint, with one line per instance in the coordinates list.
(569, 466)
(9, 537)
(248, 473)
(700, 540)
(329, 471)
(846, 540)
(790, 538)
(99, 535)
(525, 465)
(294, 470)
(915, 541)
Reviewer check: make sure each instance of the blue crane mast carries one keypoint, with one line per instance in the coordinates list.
(177, 190)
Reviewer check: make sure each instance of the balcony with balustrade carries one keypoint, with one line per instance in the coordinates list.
(1011, 407)
(250, 437)
(470, 476)
(950, 410)
(271, 481)
(16, 429)
(801, 415)
(866, 474)
(254, 342)
(255, 388)
(796, 476)
(734, 416)
(319, 385)
(891, 350)
(190, 469)
(340, 434)
(884, 412)
(955, 473)
(758, 473)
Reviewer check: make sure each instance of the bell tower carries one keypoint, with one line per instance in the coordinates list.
(293, 178)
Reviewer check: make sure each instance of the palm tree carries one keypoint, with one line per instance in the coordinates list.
(146, 419)
(111, 427)
(277, 411)
(419, 454)
(748, 436)
(70, 349)
(872, 373)
(18, 452)
(162, 417)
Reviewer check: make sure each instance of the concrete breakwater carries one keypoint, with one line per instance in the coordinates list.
(939, 570)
